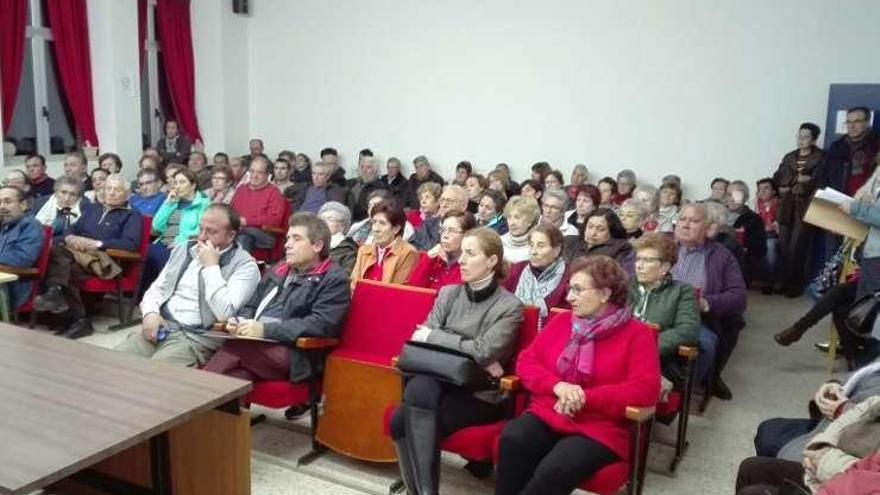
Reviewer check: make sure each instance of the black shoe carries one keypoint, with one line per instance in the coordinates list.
(721, 390)
(767, 290)
(826, 347)
(296, 412)
(80, 328)
(793, 293)
(52, 301)
(788, 336)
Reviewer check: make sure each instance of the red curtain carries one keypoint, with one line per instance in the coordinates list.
(70, 28)
(13, 17)
(174, 34)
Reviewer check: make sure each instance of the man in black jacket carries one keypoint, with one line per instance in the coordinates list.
(306, 295)
(850, 160)
(396, 183)
(337, 173)
(422, 174)
(748, 229)
(360, 188)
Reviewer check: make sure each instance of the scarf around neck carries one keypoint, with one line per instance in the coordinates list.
(575, 363)
(533, 289)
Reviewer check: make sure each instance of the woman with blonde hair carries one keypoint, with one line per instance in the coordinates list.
(522, 214)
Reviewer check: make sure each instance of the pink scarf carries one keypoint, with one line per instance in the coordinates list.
(575, 364)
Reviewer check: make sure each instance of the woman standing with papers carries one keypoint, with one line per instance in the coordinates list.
(866, 208)
(796, 179)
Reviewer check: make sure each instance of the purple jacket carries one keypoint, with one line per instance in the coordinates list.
(725, 288)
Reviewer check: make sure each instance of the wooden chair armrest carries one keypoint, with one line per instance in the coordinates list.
(688, 351)
(20, 271)
(220, 326)
(640, 414)
(272, 229)
(315, 343)
(510, 383)
(124, 255)
(394, 361)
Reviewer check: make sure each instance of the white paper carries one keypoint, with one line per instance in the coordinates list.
(833, 196)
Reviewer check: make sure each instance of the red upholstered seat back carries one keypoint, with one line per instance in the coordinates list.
(382, 317)
(131, 271)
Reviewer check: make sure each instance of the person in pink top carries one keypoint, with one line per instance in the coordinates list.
(259, 203)
(582, 372)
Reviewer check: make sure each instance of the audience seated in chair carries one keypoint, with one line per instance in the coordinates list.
(76, 166)
(670, 207)
(222, 185)
(281, 174)
(554, 204)
(21, 239)
(648, 196)
(113, 225)
(605, 235)
(343, 250)
(475, 185)
(422, 175)
(706, 265)
(440, 266)
(204, 281)
(748, 229)
(396, 183)
(490, 212)
(259, 203)
(632, 214)
(478, 318)
(310, 196)
(626, 183)
(586, 201)
(362, 232)
(522, 214)
(330, 157)
(428, 199)
(582, 372)
(149, 196)
(97, 178)
(62, 208)
(656, 298)
(580, 176)
(360, 188)
(463, 170)
(306, 295)
(174, 147)
(388, 258)
(177, 221)
(40, 182)
(428, 235)
(302, 169)
(198, 163)
(542, 280)
(785, 446)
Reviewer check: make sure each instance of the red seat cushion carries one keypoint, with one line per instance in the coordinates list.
(475, 443)
(278, 394)
(671, 407)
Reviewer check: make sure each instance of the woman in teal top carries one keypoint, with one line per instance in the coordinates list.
(176, 221)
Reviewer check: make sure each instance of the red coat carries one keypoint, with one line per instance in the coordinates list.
(433, 273)
(626, 373)
(265, 206)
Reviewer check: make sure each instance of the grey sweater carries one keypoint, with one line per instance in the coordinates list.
(483, 323)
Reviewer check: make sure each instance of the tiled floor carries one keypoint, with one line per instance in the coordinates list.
(766, 381)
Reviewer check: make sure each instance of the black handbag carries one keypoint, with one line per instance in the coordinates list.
(862, 316)
(444, 364)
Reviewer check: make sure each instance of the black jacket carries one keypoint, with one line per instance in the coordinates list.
(840, 156)
(399, 188)
(358, 194)
(427, 236)
(314, 306)
(338, 177)
(755, 237)
(301, 176)
(415, 182)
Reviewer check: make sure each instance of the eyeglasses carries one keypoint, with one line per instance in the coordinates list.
(857, 121)
(444, 231)
(146, 183)
(576, 290)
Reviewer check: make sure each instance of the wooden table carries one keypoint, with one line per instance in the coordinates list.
(82, 415)
(5, 280)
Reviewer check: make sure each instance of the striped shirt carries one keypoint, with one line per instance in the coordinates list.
(691, 266)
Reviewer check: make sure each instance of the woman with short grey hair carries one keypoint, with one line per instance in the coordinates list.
(343, 250)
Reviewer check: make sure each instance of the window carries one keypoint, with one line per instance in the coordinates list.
(155, 102)
(41, 121)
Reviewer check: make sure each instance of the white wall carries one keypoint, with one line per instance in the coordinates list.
(681, 86)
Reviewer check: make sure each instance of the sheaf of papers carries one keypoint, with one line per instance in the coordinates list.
(833, 196)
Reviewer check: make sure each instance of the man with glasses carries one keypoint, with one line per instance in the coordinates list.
(428, 235)
(149, 196)
(553, 206)
(851, 159)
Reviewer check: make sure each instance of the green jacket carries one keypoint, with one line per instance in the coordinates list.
(673, 307)
(190, 218)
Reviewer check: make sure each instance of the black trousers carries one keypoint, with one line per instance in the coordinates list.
(770, 476)
(775, 433)
(66, 273)
(795, 242)
(536, 460)
(456, 408)
(727, 328)
(836, 301)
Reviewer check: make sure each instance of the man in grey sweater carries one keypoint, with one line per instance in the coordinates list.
(204, 281)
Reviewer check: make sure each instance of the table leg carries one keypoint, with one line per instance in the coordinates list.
(4, 302)
(160, 465)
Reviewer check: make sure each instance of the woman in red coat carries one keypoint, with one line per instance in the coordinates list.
(582, 371)
(439, 267)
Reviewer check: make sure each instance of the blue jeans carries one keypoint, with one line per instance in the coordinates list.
(773, 434)
(708, 349)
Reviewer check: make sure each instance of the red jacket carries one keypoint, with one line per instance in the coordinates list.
(626, 373)
(433, 273)
(260, 207)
